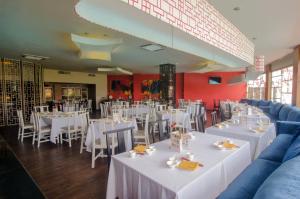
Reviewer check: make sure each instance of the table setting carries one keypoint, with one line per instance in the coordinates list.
(257, 130)
(163, 171)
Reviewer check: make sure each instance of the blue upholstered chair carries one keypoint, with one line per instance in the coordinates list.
(274, 110)
(284, 112)
(255, 103)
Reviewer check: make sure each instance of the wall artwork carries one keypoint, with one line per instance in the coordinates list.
(150, 88)
(121, 88)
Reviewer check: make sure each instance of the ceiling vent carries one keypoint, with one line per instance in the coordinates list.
(64, 72)
(152, 47)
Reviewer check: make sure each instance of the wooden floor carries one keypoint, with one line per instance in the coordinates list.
(60, 171)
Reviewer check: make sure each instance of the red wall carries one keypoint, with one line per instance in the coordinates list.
(179, 86)
(190, 86)
(196, 87)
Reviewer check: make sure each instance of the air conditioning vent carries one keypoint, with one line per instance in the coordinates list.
(64, 72)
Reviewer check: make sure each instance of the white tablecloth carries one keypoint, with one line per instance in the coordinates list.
(148, 177)
(56, 123)
(258, 141)
(103, 125)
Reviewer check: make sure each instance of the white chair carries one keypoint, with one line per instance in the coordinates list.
(143, 134)
(71, 130)
(90, 105)
(85, 120)
(22, 127)
(41, 109)
(100, 143)
(41, 133)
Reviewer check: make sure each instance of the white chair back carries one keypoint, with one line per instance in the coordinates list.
(20, 117)
(161, 107)
(146, 130)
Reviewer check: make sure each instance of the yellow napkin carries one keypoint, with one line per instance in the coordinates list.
(259, 129)
(140, 149)
(228, 145)
(188, 165)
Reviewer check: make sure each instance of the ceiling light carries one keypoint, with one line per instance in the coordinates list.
(152, 47)
(106, 69)
(237, 8)
(124, 71)
(119, 69)
(34, 57)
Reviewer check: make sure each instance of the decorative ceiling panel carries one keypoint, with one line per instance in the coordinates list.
(202, 20)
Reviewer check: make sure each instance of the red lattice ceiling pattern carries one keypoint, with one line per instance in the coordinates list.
(202, 20)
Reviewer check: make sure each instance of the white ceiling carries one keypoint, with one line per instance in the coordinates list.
(275, 24)
(43, 27)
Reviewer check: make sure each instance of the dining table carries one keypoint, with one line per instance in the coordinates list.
(255, 128)
(148, 176)
(56, 121)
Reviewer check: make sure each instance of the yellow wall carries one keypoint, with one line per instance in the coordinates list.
(100, 80)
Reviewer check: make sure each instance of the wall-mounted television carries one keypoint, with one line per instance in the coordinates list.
(214, 80)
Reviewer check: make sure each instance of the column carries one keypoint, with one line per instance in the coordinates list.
(268, 85)
(168, 83)
(296, 77)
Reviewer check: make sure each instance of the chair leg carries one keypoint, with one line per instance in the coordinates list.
(81, 143)
(93, 157)
(70, 145)
(19, 133)
(22, 135)
(33, 137)
(61, 140)
(39, 140)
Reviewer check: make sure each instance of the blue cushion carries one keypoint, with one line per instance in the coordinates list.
(284, 183)
(247, 183)
(249, 101)
(276, 151)
(284, 112)
(294, 115)
(293, 150)
(275, 109)
(255, 103)
(264, 103)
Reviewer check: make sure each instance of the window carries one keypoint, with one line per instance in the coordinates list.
(282, 85)
(256, 88)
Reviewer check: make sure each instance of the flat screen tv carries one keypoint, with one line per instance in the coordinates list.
(214, 80)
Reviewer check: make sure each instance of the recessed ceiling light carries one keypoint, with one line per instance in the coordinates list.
(152, 47)
(34, 57)
(237, 8)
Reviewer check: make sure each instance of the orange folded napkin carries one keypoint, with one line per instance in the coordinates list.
(188, 165)
(229, 145)
(140, 149)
